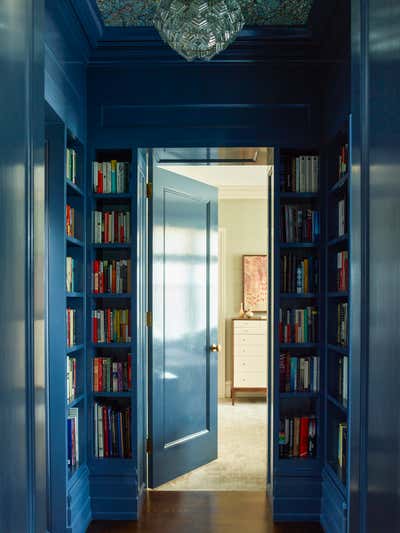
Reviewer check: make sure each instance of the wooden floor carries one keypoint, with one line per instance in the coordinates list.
(204, 512)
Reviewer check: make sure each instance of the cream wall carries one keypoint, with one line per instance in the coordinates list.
(245, 224)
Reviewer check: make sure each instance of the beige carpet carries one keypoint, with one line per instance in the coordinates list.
(242, 451)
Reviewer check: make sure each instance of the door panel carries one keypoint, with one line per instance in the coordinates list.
(183, 376)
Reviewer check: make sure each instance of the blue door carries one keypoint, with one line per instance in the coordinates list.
(183, 365)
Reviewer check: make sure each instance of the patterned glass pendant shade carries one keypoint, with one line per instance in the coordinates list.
(198, 29)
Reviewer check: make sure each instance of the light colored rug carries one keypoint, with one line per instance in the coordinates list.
(242, 451)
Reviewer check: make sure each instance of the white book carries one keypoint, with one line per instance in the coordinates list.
(100, 430)
(315, 173)
(308, 180)
(345, 379)
(341, 217)
(74, 166)
(302, 174)
(96, 432)
(95, 176)
(297, 174)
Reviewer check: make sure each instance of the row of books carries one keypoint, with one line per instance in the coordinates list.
(343, 160)
(342, 226)
(301, 174)
(73, 437)
(343, 380)
(111, 276)
(299, 224)
(298, 374)
(111, 226)
(71, 326)
(70, 269)
(110, 177)
(111, 325)
(299, 274)
(298, 325)
(70, 221)
(71, 379)
(70, 165)
(342, 324)
(342, 271)
(298, 437)
(112, 431)
(342, 445)
(111, 375)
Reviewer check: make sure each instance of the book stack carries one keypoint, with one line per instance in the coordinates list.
(111, 276)
(301, 174)
(71, 327)
(341, 217)
(70, 274)
(342, 323)
(112, 431)
(111, 325)
(111, 226)
(70, 221)
(110, 177)
(298, 374)
(342, 271)
(343, 160)
(73, 437)
(70, 165)
(110, 375)
(71, 379)
(343, 379)
(298, 325)
(342, 446)
(298, 437)
(299, 224)
(299, 274)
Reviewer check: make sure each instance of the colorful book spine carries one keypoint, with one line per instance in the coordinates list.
(70, 221)
(70, 165)
(299, 274)
(298, 325)
(111, 375)
(342, 276)
(71, 379)
(111, 227)
(112, 426)
(299, 224)
(70, 274)
(111, 276)
(111, 177)
(301, 174)
(111, 325)
(298, 374)
(71, 327)
(298, 437)
(73, 437)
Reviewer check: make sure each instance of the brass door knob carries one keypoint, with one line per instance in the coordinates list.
(215, 348)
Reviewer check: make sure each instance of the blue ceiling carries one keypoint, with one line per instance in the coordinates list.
(257, 12)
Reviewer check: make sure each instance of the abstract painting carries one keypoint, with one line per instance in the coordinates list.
(255, 282)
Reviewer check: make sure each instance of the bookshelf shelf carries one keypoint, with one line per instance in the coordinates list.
(74, 242)
(299, 195)
(286, 245)
(74, 349)
(112, 246)
(300, 296)
(125, 394)
(106, 295)
(338, 294)
(76, 401)
(297, 345)
(339, 184)
(111, 196)
(297, 395)
(73, 188)
(75, 294)
(112, 345)
(336, 403)
(339, 349)
(338, 240)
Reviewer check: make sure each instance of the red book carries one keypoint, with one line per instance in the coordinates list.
(100, 178)
(109, 325)
(129, 371)
(94, 325)
(303, 448)
(100, 374)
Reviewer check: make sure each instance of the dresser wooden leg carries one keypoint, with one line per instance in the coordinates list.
(233, 397)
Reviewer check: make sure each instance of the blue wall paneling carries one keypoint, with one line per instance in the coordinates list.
(23, 454)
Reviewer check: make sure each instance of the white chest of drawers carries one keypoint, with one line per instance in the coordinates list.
(249, 356)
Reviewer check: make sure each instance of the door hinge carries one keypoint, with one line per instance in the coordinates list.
(149, 190)
(149, 445)
(149, 319)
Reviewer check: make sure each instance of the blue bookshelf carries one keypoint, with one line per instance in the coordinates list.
(335, 473)
(113, 483)
(69, 479)
(294, 474)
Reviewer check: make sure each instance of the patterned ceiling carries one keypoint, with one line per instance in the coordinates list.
(257, 12)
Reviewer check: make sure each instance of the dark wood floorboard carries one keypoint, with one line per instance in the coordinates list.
(204, 512)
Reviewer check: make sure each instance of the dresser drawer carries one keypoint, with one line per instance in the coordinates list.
(250, 328)
(250, 340)
(250, 350)
(250, 380)
(250, 364)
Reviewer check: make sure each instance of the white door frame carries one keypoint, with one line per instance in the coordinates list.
(221, 309)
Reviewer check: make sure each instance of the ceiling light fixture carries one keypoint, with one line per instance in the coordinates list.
(198, 29)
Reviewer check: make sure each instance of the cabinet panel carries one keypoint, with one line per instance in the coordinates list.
(251, 364)
(250, 379)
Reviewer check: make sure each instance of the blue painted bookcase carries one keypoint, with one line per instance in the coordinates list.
(337, 390)
(297, 480)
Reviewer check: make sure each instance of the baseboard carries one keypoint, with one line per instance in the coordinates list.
(228, 386)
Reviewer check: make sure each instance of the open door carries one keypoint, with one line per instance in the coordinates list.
(183, 356)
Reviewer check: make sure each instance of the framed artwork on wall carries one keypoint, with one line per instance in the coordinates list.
(255, 283)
